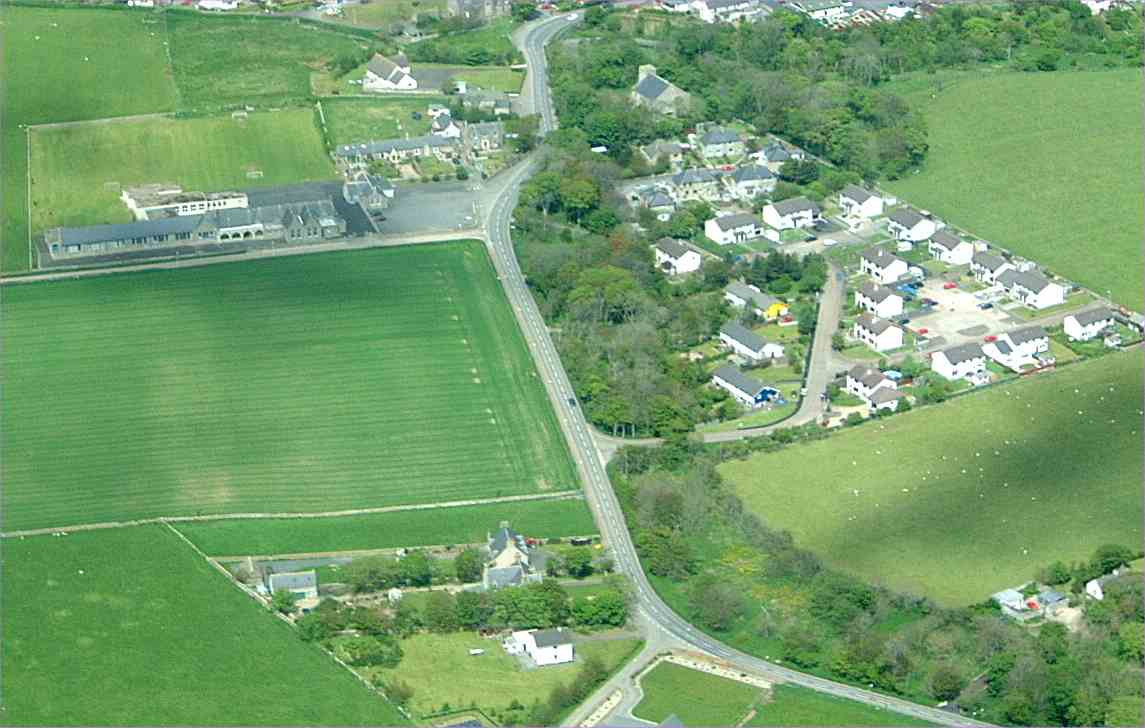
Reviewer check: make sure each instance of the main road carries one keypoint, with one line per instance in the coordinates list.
(598, 490)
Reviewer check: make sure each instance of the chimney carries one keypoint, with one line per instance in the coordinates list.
(644, 71)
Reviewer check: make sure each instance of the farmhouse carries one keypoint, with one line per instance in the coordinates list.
(544, 646)
(653, 92)
(748, 344)
(740, 295)
(744, 389)
(507, 559)
(1087, 324)
(882, 266)
(859, 203)
(966, 361)
(986, 267)
(910, 225)
(400, 150)
(736, 228)
(302, 584)
(750, 181)
(675, 257)
(877, 333)
(949, 248)
(695, 184)
(1031, 288)
(721, 142)
(882, 301)
(670, 152)
(796, 212)
(384, 75)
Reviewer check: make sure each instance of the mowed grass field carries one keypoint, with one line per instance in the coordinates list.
(491, 78)
(971, 496)
(385, 13)
(130, 627)
(78, 171)
(396, 529)
(350, 121)
(1022, 160)
(301, 384)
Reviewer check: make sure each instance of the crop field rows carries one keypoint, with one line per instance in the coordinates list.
(340, 381)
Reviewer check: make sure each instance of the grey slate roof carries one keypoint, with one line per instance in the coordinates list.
(743, 291)
(672, 247)
(964, 352)
(739, 380)
(906, 217)
(1029, 333)
(502, 537)
(752, 173)
(720, 135)
(988, 261)
(856, 193)
(885, 394)
(651, 86)
(875, 292)
(293, 580)
(743, 335)
(776, 152)
(504, 576)
(550, 637)
(794, 204)
(1002, 346)
(128, 230)
(879, 256)
(1029, 279)
(688, 176)
(656, 198)
(946, 239)
(875, 325)
(869, 376)
(388, 145)
(739, 219)
(1093, 315)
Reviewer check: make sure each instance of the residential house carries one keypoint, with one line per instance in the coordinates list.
(1029, 340)
(777, 153)
(879, 334)
(741, 295)
(825, 11)
(1095, 588)
(371, 191)
(986, 267)
(1031, 288)
(882, 266)
(443, 125)
(401, 150)
(885, 398)
(653, 92)
(864, 381)
(966, 361)
(750, 181)
(949, 248)
(659, 202)
(1088, 324)
(507, 560)
(721, 142)
(484, 9)
(301, 584)
(695, 184)
(857, 202)
(725, 11)
(543, 646)
(675, 257)
(748, 344)
(494, 101)
(1021, 348)
(882, 301)
(746, 390)
(484, 138)
(675, 6)
(385, 75)
(736, 228)
(796, 212)
(910, 225)
(671, 152)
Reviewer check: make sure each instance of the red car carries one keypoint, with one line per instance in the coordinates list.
(990, 338)
(922, 332)
(949, 284)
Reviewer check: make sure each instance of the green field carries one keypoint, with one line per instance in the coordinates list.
(997, 484)
(130, 627)
(385, 13)
(997, 149)
(350, 121)
(491, 78)
(77, 171)
(440, 670)
(301, 384)
(437, 527)
(793, 705)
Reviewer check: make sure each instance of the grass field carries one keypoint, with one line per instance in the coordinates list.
(130, 627)
(980, 491)
(997, 145)
(793, 705)
(384, 13)
(440, 670)
(438, 527)
(492, 78)
(309, 383)
(357, 120)
(14, 255)
(77, 170)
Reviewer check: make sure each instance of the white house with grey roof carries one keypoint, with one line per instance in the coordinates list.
(859, 203)
(662, 96)
(748, 344)
(507, 559)
(948, 248)
(882, 301)
(725, 11)
(401, 150)
(876, 389)
(1031, 288)
(695, 184)
(735, 228)
(825, 11)
(721, 142)
(877, 333)
(966, 361)
(1021, 348)
(750, 181)
(796, 212)
(543, 646)
(484, 137)
(742, 295)
(746, 390)
(658, 201)
(1087, 324)
(986, 267)
(676, 257)
(910, 225)
(882, 266)
(384, 75)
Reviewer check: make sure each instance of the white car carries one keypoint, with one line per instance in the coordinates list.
(828, 242)
(571, 16)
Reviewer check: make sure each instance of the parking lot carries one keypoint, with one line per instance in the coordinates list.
(956, 318)
(432, 207)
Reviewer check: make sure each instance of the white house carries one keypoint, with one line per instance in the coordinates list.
(1095, 588)
(959, 362)
(140, 3)
(721, 142)
(443, 125)
(750, 181)
(885, 398)
(1031, 288)
(543, 646)
(986, 267)
(872, 386)
(859, 203)
(882, 301)
(217, 4)
(744, 389)
(1087, 324)
(909, 225)
(695, 184)
(735, 228)
(797, 212)
(303, 585)
(676, 257)
(949, 248)
(825, 11)
(1021, 348)
(658, 201)
(882, 266)
(675, 6)
(877, 333)
(727, 11)
(748, 344)
(741, 295)
(383, 75)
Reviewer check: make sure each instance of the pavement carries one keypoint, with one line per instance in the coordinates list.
(426, 207)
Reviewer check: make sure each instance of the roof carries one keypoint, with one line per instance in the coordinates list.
(652, 86)
(743, 335)
(1093, 316)
(793, 205)
(988, 261)
(946, 239)
(869, 376)
(1030, 333)
(875, 292)
(739, 219)
(293, 580)
(661, 146)
(1008, 596)
(906, 217)
(486, 129)
(383, 67)
(875, 325)
(656, 198)
(127, 230)
(673, 247)
(550, 637)
(502, 537)
(751, 173)
(1002, 347)
(720, 135)
(504, 576)
(747, 293)
(963, 352)
(693, 175)
(814, 5)
(1029, 279)
(856, 193)
(880, 257)
(1050, 596)
(776, 152)
(886, 394)
(739, 380)
(388, 145)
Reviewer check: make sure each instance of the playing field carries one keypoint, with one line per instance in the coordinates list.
(385, 13)
(302, 384)
(997, 149)
(77, 171)
(131, 627)
(397, 529)
(962, 499)
(349, 121)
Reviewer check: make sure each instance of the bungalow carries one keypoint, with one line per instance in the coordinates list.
(909, 225)
(744, 389)
(671, 152)
(860, 203)
(959, 362)
(1031, 288)
(676, 256)
(796, 212)
(1087, 324)
(879, 300)
(695, 184)
(400, 150)
(721, 142)
(877, 333)
(735, 228)
(543, 646)
(653, 92)
(863, 381)
(882, 266)
(740, 295)
(383, 75)
(750, 181)
(949, 248)
(748, 344)
(986, 267)
(777, 153)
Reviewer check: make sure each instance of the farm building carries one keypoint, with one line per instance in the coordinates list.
(383, 74)
(986, 267)
(877, 333)
(966, 361)
(947, 247)
(910, 225)
(797, 212)
(746, 390)
(748, 344)
(1087, 324)
(741, 295)
(736, 228)
(1095, 588)
(859, 203)
(882, 301)
(1031, 288)
(882, 266)
(302, 584)
(675, 257)
(543, 646)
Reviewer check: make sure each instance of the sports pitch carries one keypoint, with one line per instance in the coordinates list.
(350, 121)
(958, 501)
(302, 384)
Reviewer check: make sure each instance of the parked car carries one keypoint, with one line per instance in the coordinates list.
(986, 306)
(922, 332)
(949, 284)
(929, 302)
(904, 320)
(990, 338)
(828, 242)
